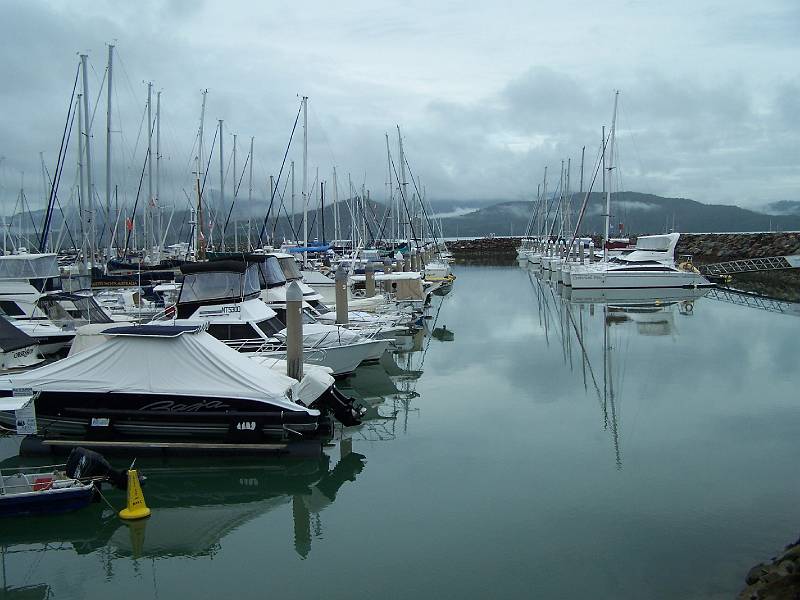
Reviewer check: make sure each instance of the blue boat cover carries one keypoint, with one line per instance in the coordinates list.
(154, 330)
(300, 249)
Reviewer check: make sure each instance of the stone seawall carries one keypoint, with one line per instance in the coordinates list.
(718, 247)
(704, 247)
(484, 246)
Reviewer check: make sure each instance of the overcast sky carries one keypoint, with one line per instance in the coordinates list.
(486, 93)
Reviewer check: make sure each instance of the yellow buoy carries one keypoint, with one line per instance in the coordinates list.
(137, 508)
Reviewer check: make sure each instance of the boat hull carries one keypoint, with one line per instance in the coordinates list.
(635, 280)
(46, 501)
(169, 417)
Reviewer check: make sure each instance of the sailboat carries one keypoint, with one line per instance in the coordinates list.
(652, 262)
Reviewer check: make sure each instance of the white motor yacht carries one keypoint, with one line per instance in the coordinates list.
(650, 265)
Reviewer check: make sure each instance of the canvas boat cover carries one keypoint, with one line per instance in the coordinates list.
(13, 338)
(658, 243)
(318, 335)
(191, 364)
(29, 266)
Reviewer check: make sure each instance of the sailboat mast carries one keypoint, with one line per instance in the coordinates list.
(200, 251)
(610, 165)
(157, 198)
(292, 219)
(250, 183)
(336, 227)
(81, 180)
(608, 207)
(221, 201)
(89, 199)
(149, 212)
(235, 184)
(403, 182)
(542, 217)
(305, 179)
(108, 147)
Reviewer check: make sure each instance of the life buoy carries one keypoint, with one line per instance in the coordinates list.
(170, 311)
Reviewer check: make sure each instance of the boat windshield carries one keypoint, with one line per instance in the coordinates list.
(218, 285)
(271, 326)
(290, 270)
(72, 310)
(271, 273)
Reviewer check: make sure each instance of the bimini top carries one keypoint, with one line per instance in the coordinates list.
(215, 266)
(190, 364)
(29, 266)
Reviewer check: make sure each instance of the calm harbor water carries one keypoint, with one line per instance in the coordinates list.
(530, 447)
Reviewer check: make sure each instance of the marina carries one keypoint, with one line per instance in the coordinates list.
(399, 300)
(624, 467)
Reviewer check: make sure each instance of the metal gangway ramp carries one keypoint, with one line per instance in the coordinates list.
(751, 265)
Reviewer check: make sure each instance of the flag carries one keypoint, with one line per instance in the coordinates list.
(129, 224)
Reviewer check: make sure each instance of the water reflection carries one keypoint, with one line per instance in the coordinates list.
(573, 318)
(199, 504)
(196, 505)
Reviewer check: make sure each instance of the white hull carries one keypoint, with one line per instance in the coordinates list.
(609, 279)
(20, 358)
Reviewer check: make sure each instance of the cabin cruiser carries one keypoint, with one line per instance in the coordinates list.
(171, 382)
(226, 294)
(317, 315)
(650, 265)
(31, 298)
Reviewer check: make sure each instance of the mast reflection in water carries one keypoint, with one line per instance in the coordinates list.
(645, 312)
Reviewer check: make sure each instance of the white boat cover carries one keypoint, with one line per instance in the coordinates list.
(29, 266)
(190, 364)
(89, 336)
(658, 243)
(319, 335)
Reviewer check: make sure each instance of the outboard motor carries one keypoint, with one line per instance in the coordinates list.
(346, 411)
(83, 463)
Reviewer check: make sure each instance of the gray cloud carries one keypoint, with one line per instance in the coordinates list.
(486, 95)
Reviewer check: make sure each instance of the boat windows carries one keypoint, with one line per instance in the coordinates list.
(218, 285)
(235, 331)
(271, 326)
(86, 308)
(289, 268)
(271, 273)
(55, 312)
(10, 308)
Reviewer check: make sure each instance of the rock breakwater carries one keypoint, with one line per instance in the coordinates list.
(719, 247)
(775, 580)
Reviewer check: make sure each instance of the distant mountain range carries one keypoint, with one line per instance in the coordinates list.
(632, 212)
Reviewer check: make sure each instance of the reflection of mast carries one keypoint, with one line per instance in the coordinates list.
(608, 387)
(607, 397)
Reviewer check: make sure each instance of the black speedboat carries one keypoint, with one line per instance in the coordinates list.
(175, 383)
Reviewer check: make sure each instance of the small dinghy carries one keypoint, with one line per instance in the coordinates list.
(55, 488)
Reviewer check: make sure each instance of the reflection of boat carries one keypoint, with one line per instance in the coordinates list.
(635, 296)
(443, 334)
(195, 507)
